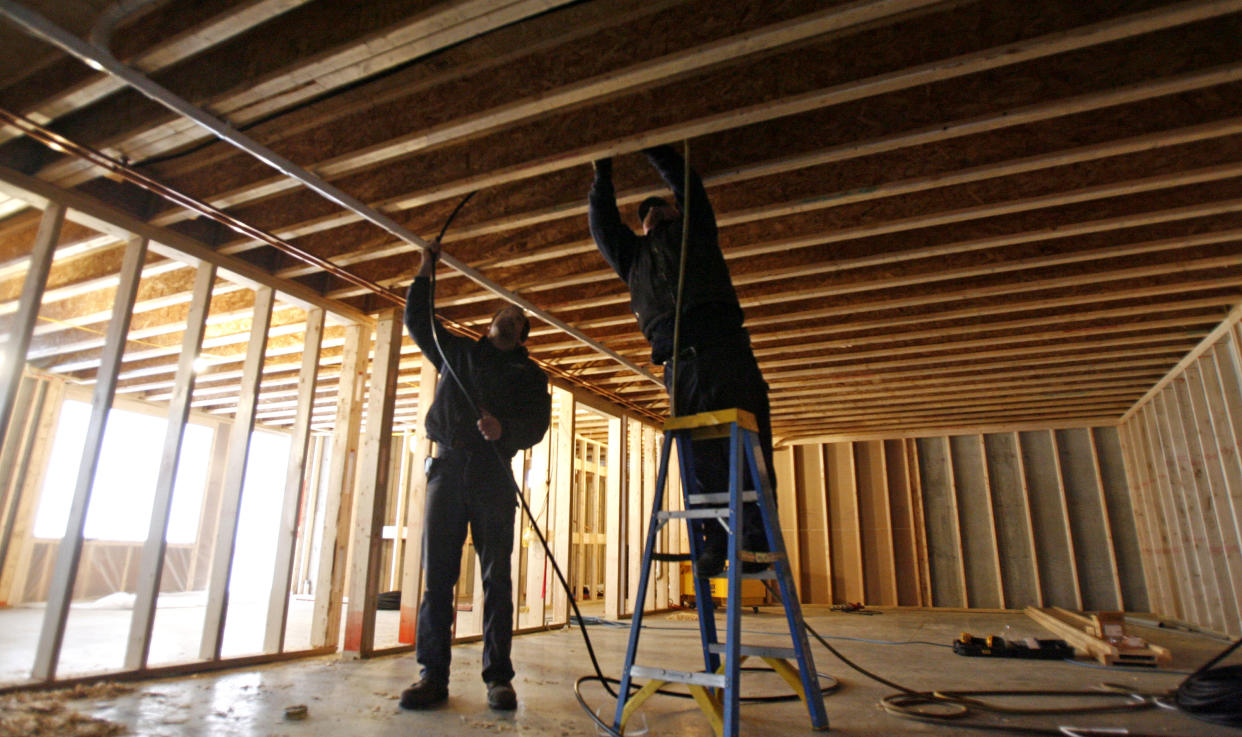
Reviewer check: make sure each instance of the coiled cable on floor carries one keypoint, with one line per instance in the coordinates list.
(1213, 694)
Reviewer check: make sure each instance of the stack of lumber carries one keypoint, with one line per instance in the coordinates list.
(1100, 636)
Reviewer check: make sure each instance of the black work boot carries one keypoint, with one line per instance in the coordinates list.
(755, 540)
(424, 694)
(500, 695)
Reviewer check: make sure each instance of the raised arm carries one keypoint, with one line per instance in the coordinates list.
(672, 169)
(615, 240)
(420, 320)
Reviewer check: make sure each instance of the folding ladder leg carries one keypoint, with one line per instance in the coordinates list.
(784, 578)
(702, 587)
(733, 605)
(636, 621)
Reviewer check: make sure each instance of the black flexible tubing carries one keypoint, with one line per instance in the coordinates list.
(681, 277)
(1213, 694)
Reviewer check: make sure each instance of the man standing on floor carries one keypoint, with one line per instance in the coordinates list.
(716, 368)
(470, 482)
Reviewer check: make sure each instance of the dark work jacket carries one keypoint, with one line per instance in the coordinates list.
(506, 384)
(649, 263)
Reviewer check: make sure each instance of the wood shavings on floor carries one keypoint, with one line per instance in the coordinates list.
(46, 714)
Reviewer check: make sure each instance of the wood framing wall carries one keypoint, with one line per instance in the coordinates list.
(1181, 446)
(351, 511)
(998, 520)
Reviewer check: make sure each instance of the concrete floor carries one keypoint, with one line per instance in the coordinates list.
(360, 697)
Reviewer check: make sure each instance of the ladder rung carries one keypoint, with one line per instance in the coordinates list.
(721, 498)
(714, 513)
(753, 557)
(710, 680)
(758, 651)
(670, 557)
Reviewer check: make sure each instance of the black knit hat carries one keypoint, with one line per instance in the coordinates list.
(645, 206)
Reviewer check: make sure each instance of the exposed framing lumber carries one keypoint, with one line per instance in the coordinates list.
(1089, 520)
(371, 495)
(21, 420)
(1055, 563)
(944, 547)
(1069, 627)
(1207, 342)
(1118, 505)
(1223, 403)
(614, 511)
(907, 569)
(33, 287)
(577, 517)
(1139, 486)
(1197, 499)
(844, 533)
(20, 500)
(234, 478)
(1164, 534)
(920, 522)
(633, 512)
(876, 524)
(673, 65)
(68, 554)
(330, 579)
(936, 71)
(1215, 492)
(1186, 498)
(563, 432)
(295, 483)
(97, 215)
(151, 567)
(1066, 521)
(1167, 475)
(814, 480)
(538, 575)
(790, 518)
(415, 515)
(1011, 515)
(650, 453)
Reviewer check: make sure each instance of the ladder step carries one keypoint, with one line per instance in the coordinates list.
(752, 557)
(758, 651)
(711, 513)
(670, 557)
(721, 498)
(710, 680)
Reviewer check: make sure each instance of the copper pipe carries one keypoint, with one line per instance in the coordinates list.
(62, 144)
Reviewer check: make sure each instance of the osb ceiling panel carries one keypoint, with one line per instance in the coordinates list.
(939, 216)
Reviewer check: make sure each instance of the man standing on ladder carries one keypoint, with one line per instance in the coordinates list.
(492, 401)
(715, 366)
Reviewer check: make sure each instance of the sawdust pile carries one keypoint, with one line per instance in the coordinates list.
(45, 714)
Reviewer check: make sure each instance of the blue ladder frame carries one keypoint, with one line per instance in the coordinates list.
(743, 448)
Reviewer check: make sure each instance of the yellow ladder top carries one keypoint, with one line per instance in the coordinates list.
(710, 424)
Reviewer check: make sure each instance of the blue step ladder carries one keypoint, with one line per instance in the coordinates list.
(716, 688)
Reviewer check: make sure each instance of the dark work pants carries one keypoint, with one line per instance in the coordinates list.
(724, 376)
(467, 489)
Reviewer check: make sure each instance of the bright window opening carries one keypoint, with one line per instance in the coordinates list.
(124, 490)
